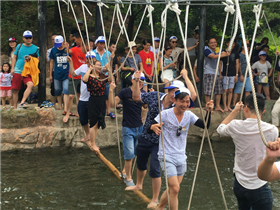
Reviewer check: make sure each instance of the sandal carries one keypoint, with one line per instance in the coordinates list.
(23, 105)
(111, 115)
(71, 114)
(64, 113)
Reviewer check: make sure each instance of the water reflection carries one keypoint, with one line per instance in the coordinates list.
(77, 179)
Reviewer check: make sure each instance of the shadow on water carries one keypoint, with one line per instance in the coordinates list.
(77, 179)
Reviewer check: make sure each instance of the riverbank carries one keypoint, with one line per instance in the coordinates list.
(42, 128)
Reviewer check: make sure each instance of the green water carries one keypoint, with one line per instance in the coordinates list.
(76, 179)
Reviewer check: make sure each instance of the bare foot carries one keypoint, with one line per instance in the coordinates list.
(136, 187)
(65, 118)
(95, 148)
(85, 140)
(77, 115)
(219, 109)
(152, 205)
(229, 109)
(226, 109)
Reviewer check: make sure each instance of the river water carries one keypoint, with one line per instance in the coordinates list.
(77, 179)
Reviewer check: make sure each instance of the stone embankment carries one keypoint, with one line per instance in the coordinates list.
(42, 128)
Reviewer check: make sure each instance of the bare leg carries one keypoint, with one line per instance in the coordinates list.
(140, 178)
(259, 88)
(92, 135)
(247, 93)
(27, 91)
(207, 98)
(59, 101)
(69, 106)
(11, 100)
(127, 167)
(156, 182)
(229, 98)
(65, 99)
(218, 107)
(266, 92)
(166, 85)
(86, 129)
(78, 98)
(53, 100)
(235, 98)
(225, 100)
(3, 101)
(108, 107)
(15, 98)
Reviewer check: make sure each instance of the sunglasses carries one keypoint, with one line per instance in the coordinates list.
(179, 130)
(28, 37)
(174, 41)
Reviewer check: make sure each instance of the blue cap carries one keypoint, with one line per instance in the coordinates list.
(173, 37)
(99, 39)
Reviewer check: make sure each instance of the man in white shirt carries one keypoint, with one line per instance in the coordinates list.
(250, 191)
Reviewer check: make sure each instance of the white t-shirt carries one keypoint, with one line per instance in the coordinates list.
(278, 165)
(249, 148)
(5, 80)
(191, 42)
(174, 145)
(263, 68)
(82, 70)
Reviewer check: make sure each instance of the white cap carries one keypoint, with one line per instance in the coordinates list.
(99, 39)
(90, 54)
(262, 53)
(175, 84)
(27, 34)
(183, 90)
(142, 76)
(58, 40)
(173, 37)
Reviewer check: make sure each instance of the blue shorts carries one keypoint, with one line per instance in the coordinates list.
(83, 112)
(61, 86)
(144, 149)
(175, 166)
(130, 140)
(239, 84)
(263, 84)
(107, 90)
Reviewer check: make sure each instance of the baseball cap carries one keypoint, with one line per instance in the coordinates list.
(196, 28)
(175, 84)
(156, 39)
(80, 22)
(12, 39)
(27, 34)
(90, 54)
(58, 40)
(172, 37)
(99, 39)
(183, 90)
(142, 76)
(262, 53)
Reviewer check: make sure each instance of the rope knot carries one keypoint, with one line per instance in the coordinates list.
(150, 10)
(256, 10)
(229, 6)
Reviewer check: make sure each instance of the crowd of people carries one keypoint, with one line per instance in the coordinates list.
(85, 69)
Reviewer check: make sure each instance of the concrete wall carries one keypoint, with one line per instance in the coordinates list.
(42, 128)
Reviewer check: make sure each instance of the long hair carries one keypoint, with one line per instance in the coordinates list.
(8, 65)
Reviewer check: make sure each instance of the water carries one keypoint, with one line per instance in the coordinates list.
(77, 179)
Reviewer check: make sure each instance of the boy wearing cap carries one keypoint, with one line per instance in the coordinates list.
(59, 68)
(132, 126)
(20, 55)
(148, 143)
(156, 43)
(175, 126)
(250, 191)
(263, 71)
(101, 55)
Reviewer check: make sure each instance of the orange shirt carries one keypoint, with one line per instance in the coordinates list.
(78, 59)
(147, 60)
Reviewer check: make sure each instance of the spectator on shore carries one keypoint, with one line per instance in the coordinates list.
(168, 66)
(12, 47)
(112, 48)
(256, 58)
(156, 43)
(21, 55)
(59, 70)
(259, 46)
(6, 84)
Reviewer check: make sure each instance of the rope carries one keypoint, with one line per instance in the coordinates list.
(150, 9)
(276, 56)
(205, 128)
(251, 77)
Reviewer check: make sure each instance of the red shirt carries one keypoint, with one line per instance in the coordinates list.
(147, 59)
(78, 59)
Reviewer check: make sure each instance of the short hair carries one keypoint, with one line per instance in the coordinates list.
(111, 43)
(265, 46)
(249, 102)
(180, 96)
(146, 41)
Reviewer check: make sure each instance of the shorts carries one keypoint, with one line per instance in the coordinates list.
(144, 149)
(228, 82)
(175, 166)
(83, 112)
(107, 91)
(130, 140)
(167, 74)
(263, 84)
(61, 86)
(77, 83)
(208, 80)
(18, 79)
(239, 85)
(5, 93)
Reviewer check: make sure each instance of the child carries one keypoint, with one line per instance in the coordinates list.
(264, 71)
(6, 84)
(175, 124)
(168, 67)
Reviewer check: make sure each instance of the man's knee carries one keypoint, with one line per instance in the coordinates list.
(30, 85)
(71, 97)
(174, 190)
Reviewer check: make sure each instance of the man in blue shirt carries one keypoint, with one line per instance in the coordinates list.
(21, 55)
(59, 67)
